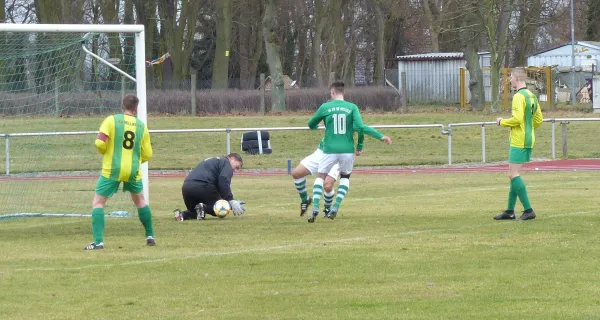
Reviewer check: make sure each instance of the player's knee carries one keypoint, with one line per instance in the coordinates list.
(299, 172)
(328, 184)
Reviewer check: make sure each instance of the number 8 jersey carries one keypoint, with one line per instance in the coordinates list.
(342, 119)
(128, 145)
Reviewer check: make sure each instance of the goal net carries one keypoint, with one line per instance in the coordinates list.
(57, 84)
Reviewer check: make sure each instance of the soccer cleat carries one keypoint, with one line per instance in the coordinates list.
(200, 211)
(304, 206)
(178, 215)
(150, 241)
(313, 216)
(332, 213)
(326, 212)
(506, 215)
(93, 246)
(527, 216)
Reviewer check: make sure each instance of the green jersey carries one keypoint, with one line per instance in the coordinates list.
(342, 119)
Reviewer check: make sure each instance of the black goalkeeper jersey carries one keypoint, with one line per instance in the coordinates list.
(216, 171)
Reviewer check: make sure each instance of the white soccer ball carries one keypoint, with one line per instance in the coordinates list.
(222, 208)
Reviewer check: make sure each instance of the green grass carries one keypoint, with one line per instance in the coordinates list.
(408, 246)
(184, 150)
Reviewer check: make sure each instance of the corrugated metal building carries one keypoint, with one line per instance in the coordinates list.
(587, 53)
(435, 77)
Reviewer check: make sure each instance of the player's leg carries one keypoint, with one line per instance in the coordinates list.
(144, 213)
(328, 184)
(191, 192)
(104, 189)
(346, 164)
(209, 195)
(308, 165)
(518, 185)
(327, 162)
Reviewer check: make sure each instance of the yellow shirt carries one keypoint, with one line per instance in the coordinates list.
(127, 147)
(526, 117)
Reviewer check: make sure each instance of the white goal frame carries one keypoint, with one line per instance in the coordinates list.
(140, 60)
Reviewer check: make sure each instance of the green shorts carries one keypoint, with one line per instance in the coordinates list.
(519, 155)
(107, 187)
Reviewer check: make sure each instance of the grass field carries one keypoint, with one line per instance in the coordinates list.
(407, 246)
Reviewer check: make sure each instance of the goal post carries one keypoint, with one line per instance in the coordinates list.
(24, 78)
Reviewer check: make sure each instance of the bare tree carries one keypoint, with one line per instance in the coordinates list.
(250, 40)
(273, 56)
(221, 62)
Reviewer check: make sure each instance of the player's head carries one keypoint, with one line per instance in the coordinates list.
(235, 160)
(337, 89)
(130, 103)
(517, 78)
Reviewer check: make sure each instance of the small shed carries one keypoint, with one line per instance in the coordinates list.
(435, 77)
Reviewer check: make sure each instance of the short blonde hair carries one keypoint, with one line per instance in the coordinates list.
(519, 73)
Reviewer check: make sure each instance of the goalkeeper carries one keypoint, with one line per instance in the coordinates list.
(207, 183)
(124, 141)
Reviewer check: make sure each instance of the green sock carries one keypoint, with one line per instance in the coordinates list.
(301, 188)
(98, 225)
(146, 219)
(521, 190)
(512, 197)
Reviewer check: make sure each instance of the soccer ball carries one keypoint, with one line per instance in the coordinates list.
(222, 208)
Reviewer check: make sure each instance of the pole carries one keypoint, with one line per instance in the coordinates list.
(262, 94)
(193, 92)
(573, 90)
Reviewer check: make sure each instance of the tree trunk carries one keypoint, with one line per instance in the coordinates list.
(250, 41)
(379, 68)
(320, 20)
(468, 38)
(220, 75)
(433, 21)
(273, 57)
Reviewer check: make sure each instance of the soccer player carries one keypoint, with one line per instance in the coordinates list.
(526, 117)
(342, 119)
(207, 183)
(124, 141)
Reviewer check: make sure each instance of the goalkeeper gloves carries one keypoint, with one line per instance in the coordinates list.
(237, 207)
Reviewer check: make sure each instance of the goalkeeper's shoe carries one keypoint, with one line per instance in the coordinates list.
(150, 241)
(527, 215)
(313, 215)
(332, 213)
(94, 246)
(178, 215)
(304, 206)
(326, 212)
(506, 215)
(199, 211)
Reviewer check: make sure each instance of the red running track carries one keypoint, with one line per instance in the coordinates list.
(554, 165)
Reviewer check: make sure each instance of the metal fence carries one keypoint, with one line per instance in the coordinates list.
(227, 132)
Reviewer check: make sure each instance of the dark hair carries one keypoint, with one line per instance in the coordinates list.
(236, 156)
(338, 86)
(130, 102)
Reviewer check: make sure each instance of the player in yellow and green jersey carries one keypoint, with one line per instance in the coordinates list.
(526, 117)
(124, 141)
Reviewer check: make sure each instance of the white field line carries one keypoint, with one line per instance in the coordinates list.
(280, 247)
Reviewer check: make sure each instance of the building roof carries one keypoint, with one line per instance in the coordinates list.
(591, 44)
(436, 56)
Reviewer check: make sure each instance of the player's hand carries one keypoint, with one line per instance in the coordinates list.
(498, 121)
(358, 152)
(237, 207)
(386, 139)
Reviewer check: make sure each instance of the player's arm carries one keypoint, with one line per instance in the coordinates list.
(517, 112)
(314, 121)
(538, 118)
(106, 128)
(224, 183)
(146, 150)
